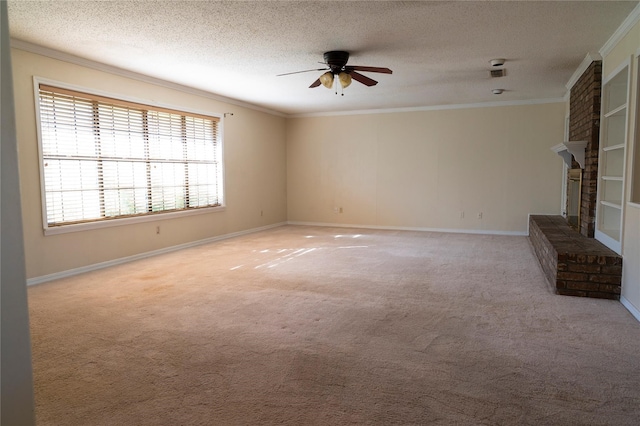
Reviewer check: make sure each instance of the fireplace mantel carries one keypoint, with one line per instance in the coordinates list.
(568, 149)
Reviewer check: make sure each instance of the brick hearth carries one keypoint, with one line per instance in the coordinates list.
(574, 264)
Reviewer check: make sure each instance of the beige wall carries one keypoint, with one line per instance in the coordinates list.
(422, 169)
(416, 170)
(254, 146)
(623, 51)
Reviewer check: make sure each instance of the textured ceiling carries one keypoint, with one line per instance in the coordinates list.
(439, 51)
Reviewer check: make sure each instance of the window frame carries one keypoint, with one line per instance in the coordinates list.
(128, 220)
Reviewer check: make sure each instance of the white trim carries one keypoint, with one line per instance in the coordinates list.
(430, 108)
(565, 171)
(64, 229)
(616, 71)
(96, 266)
(66, 57)
(633, 144)
(586, 62)
(632, 309)
(43, 198)
(408, 228)
(622, 31)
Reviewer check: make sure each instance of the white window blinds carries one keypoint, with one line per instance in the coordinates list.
(105, 159)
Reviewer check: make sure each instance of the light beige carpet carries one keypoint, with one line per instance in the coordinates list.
(328, 326)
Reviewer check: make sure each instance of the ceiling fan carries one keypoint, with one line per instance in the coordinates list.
(336, 61)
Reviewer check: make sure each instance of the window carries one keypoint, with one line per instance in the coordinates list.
(105, 159)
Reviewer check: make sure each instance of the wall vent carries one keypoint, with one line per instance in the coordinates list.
(498, 73)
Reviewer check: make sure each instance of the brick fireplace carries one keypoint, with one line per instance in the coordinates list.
(572, 260)
(584, 125)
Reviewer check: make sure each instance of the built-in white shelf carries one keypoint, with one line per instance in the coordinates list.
(613, 143)
(612, 204)
(616, 111)
(613, 148)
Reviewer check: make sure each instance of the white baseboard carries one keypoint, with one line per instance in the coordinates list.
(70, 272)
(405, 228)
(634, 311)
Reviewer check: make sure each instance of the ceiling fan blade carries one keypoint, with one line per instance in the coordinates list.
(363, 79)
(369, 69)
(298, 72)
(315, 84)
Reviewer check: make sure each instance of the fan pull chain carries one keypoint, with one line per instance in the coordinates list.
(335, 82)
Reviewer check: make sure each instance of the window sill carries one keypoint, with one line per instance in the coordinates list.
(128, 221)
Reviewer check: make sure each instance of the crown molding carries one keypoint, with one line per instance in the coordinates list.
(66, 57)
(622, 30)
(431, 108)
(591, 57)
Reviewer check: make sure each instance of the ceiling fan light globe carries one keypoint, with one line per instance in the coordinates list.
(345, 79)
(327, 79)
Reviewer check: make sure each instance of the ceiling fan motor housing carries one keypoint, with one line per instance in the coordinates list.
(336, 59)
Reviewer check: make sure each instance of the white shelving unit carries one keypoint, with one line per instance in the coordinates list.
(613, 143)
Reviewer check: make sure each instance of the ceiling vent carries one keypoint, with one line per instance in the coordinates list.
(498, 73)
